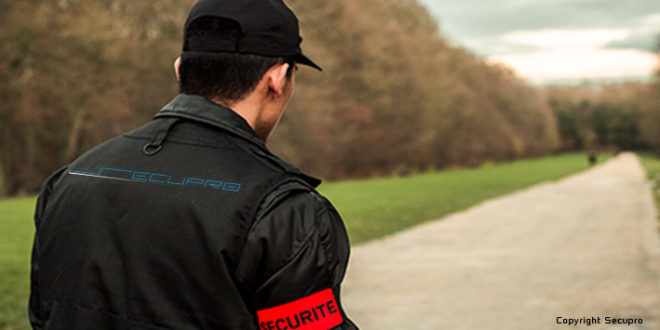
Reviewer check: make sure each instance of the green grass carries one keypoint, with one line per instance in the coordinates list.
(378, 207)
(371, 209)
(651, 164)
(16, 232)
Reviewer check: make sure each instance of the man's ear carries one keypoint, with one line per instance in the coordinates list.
(277, 79)
(177, 64)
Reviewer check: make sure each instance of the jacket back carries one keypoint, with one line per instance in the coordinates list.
(146, 230)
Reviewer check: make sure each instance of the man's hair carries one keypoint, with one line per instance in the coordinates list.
(226, 77)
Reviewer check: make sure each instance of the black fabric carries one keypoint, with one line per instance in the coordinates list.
(156, 144)
(199, 235)
(269, 28)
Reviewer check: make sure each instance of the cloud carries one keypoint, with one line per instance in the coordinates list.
(553, 39)
(574, 54)
(641, 41)
(481, 18)
(556, 39)
(579, 63)
(643, 36)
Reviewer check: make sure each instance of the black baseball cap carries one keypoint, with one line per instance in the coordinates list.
(268, 28)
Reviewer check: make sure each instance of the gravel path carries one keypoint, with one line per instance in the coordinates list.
(586, 246)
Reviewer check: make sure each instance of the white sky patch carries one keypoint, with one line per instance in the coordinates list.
(652, 20)
(570, 54)
(618, 35)
(555, 39)
(548, 65)
(650, 24)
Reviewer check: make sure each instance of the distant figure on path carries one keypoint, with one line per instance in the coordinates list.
(593, 157)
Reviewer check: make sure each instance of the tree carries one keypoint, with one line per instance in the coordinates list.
(393, 93)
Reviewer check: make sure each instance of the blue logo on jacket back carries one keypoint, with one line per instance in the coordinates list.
(159, 178)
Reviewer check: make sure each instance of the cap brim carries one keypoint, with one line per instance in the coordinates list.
(302, 59)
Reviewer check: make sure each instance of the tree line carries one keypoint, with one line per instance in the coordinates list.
(618, 116)
(394, 93)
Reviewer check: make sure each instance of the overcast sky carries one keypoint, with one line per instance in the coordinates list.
(548, 41)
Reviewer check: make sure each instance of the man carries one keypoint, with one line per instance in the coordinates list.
(189, 222)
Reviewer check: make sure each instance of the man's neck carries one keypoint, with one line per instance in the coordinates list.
(249, 109)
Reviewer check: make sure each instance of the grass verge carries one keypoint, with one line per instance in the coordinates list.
(16, 230)
(378, 207)
(651, 164)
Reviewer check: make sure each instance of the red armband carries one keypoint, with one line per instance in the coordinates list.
(314, 312)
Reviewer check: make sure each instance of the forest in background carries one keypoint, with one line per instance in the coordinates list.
(616, 116)
(393, 94)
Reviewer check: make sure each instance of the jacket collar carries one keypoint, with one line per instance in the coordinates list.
(200, 109)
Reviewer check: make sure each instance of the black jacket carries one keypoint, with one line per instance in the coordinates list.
(188, 222)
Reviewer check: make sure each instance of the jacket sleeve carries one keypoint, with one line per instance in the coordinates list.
(294, 261)
(34, 304)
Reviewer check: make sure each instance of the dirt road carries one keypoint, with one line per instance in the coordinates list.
(581, 248)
